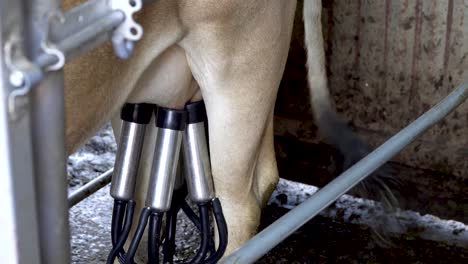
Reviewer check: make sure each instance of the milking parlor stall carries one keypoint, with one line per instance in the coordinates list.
(397, 73)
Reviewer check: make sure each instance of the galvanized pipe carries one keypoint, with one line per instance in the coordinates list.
(48, 133)
(19, 242)
(89, 37)
(91, 187)
(293, 220)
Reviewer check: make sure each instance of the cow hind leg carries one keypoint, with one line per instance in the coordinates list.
(239, 72)
(266, 171)
(235, 142)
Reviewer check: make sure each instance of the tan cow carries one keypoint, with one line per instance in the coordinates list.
(230, 52)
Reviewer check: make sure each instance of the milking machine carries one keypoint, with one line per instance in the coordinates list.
(134, 118)
(199, 178)
(177, 129)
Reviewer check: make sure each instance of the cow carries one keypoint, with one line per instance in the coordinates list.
(231, 54)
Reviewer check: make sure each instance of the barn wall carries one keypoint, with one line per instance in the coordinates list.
(388, 62)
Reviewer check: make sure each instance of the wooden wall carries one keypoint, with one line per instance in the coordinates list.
(388, 61)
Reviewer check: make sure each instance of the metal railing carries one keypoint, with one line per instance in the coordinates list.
(89, 188)
(293, 220)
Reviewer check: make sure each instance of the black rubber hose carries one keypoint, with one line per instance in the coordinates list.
(191, 215)
(117, 217)
(178, 198)
(196, 221)
(118, 248)
(145, 213)
(222, 232)
(204, 233)
(154, 236)
(127, 227)
(169, 242)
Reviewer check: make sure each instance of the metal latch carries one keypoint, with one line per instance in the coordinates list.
(129, 31)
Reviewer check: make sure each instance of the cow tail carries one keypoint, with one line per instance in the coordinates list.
(383, 182)
(329, 123)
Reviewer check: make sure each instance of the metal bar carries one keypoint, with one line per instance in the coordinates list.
(80, 16)
(84, 27)
(293, 220)
(87, 38)
(91, 187)
(19, 243)
(48, 133)
(92, 35)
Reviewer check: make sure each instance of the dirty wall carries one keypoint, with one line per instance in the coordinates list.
(388, 62)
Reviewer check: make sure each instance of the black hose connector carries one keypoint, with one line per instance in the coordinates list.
(178, 198)
(145, 213)
(118, 247)
(118, 212)
(169, 247)
(169, 240)
(204, 233)
(222, 232)
(154, 236)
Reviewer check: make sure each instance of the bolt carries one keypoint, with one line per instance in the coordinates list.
(17, 79)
